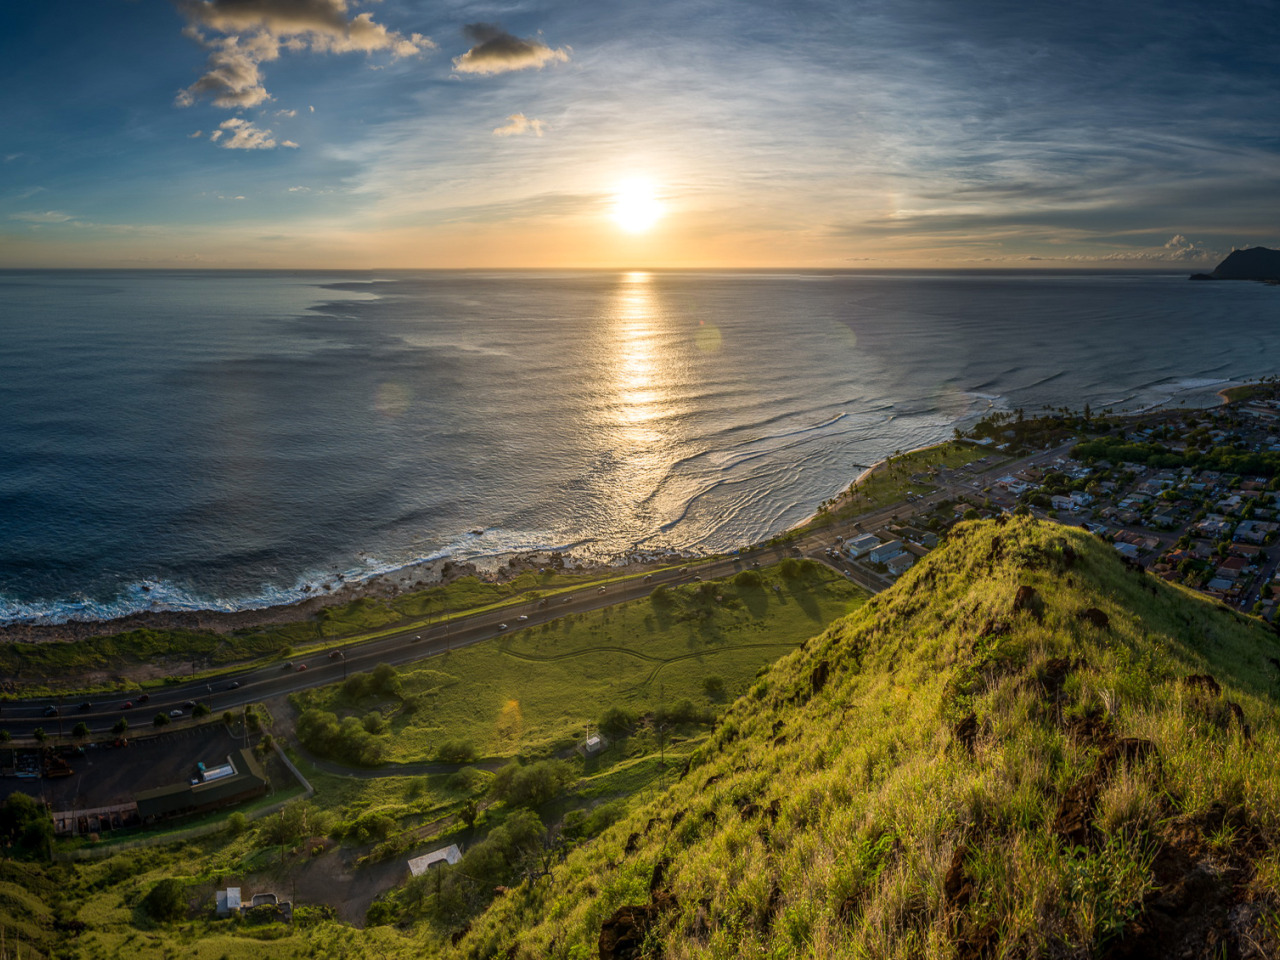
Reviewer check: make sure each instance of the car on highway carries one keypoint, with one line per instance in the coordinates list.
(190, 705)
(523, 617)
(51, 711)
(287, 665)
(175, 712)
(566, 599)
(600, 590)
(85, 706)
(127, 705)
(648, 577)
(502, 626)
(144, 697)
(233, 685)
(301, 667)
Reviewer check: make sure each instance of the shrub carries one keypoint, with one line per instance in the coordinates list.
(532, 785)
(237, 823)
(713, 686)
(161, 719)
(617, 722)
(748, 578)
(166, 901)
(456, 751)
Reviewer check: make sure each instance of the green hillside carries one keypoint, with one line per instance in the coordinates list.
(1023, 749)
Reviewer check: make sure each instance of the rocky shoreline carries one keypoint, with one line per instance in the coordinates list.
(384, 586)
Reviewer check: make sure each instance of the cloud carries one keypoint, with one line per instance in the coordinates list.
(299, 189)
(243, 135)
(254, 31)
(289, 143)
(497, 51)
(196, 135)
(518, 124)
(42, 216)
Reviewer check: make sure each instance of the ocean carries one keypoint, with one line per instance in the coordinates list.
(224, 440)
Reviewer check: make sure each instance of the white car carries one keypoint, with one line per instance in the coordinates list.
(502, 626)
(523, 617)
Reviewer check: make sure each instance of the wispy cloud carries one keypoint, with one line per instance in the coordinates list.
(497, 51)
(518, 124)
(253, 32)
(42, 216)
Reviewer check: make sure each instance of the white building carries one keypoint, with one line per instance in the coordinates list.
(420, 865)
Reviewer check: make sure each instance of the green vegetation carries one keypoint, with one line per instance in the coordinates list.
(36, 663)
(534, 691)
(898, 477)
(1227, 460)
(1022, 749)
(1018, 750)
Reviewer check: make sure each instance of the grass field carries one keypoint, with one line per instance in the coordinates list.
(535, 690)
(891, 481)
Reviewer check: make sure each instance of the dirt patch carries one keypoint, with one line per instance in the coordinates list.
(1201, 906)
(1096, 617)
(622, 936)
(1029, 600)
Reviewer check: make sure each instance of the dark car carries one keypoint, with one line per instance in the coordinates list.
(85, 706)
(190, 704)
(51, 711)
(127, 705)
(233, 685)
(144, 697)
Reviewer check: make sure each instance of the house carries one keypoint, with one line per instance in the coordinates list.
(857, 546)
(885, 552)
(900, 564)
(1127, 550)
(1063, 503)
(420, 865)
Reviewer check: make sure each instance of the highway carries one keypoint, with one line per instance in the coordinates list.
(233, 691)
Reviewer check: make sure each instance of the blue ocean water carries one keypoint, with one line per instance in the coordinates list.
(226, 440)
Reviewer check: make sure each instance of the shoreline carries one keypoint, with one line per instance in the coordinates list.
(426, 574)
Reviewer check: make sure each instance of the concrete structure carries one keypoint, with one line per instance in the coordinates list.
(228, 901)
(592, 745)
(185, 799)
(420, 865)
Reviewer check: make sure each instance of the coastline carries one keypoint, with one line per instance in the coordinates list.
(423, 575)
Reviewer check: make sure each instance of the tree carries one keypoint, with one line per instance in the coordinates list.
(166, 901)
(39, 734)
(27, 824)
(200, 710)
(80, 730)
(120, 726)
(617, 722)
(160, 719)
(713, 686)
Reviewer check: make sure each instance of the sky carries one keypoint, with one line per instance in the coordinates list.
(868, 134)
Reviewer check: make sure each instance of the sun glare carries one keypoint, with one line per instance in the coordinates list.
(636, 206)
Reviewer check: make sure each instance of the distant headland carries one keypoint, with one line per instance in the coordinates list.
(1256, 263)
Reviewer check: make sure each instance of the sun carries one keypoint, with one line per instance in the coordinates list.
(636, 206)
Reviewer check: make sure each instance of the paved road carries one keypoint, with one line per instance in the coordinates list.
(253, 685)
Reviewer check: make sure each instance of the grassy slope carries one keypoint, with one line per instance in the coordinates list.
(1102, 804)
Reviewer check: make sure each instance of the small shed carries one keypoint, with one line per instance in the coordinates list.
(420, 865)
(228, 901)
(592, 745)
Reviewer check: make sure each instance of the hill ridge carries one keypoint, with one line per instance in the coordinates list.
(1022, 749)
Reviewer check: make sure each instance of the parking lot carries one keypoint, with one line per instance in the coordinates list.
(105, 775)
